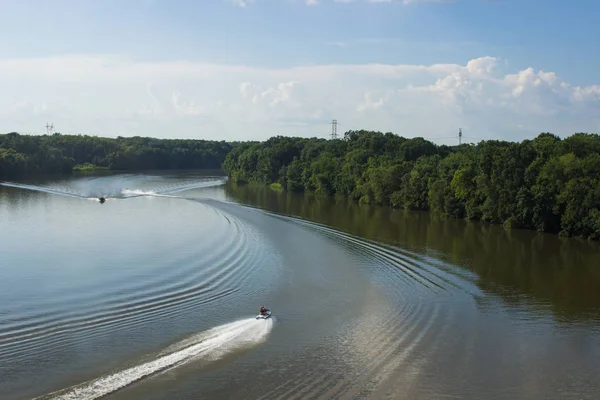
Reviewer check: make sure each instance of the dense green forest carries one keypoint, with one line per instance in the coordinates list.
(25, 154)
(547, 184)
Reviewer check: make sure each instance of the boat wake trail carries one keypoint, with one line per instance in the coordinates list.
(43, 189)
(127, 193)
(120, 187)
(209, 345)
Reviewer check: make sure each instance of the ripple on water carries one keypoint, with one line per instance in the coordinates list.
(387, 336)
(212, 269)
(409, 309)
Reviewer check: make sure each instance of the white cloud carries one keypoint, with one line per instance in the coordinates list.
(184, 107)
(113, 96)
(276, 95)
(482, 66)
(369, 103)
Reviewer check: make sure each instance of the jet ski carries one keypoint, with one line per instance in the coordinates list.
(101, 199)
(265, 315)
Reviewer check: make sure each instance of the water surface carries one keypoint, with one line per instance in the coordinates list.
(153, 294)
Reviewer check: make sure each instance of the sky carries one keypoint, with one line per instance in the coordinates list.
(253, 69)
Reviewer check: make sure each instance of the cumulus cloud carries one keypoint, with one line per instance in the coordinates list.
(112, 96)
(185, 108)
(369, 103)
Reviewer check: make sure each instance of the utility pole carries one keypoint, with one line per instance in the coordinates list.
(49, 128)
(459, 135)
(334, 129)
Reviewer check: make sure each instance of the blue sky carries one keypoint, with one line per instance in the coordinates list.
(278, 42)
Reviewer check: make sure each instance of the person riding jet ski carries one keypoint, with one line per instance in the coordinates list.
(101, 199)
(263, 310)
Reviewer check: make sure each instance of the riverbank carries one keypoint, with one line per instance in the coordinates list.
(547, 184)
(29, 155)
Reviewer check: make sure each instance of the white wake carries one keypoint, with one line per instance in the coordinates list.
(137, 192)
(210, 345)
(113, 188)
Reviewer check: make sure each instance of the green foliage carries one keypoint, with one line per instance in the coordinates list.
(88, 167)
(276, 186)
(24, 154)
(547, 183)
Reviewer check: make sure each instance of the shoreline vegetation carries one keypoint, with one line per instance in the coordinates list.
(85, 167)
(548, 184)
(32, 154)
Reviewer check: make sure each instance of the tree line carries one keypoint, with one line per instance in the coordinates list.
(26, 154)
(548, 183)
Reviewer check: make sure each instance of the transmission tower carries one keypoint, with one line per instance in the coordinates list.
(459, 135)
(49, 128)
(334, 129)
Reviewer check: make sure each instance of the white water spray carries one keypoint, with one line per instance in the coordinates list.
(209, 345)
(137, 192)
(113, 188)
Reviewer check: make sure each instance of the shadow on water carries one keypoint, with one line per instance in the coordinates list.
(525, 269)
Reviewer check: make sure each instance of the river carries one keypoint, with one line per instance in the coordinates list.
(153, 295)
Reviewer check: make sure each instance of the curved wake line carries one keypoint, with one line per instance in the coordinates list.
(42, 189)
(198, 185)
(227, 271)
(118, 193)
(129, 193)
(380, 251)
(211, 345)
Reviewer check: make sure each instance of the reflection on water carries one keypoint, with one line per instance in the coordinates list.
(153, 294)
(526, 269)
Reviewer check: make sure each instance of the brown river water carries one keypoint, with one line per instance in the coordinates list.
(153, 295)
